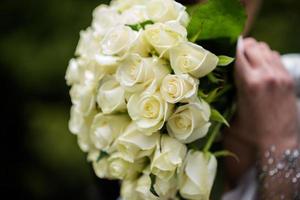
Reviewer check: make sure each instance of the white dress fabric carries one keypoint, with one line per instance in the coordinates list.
(248, 185)
(292, 64)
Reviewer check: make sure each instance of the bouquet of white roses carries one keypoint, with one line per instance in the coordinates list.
(139, 110)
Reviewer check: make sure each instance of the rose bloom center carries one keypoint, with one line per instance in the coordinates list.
(172, 88)
(151, 108)
(182, 122)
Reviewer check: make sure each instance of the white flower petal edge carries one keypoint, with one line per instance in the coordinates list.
(73, 72)
(128, 190)
(80, 125)
(89, 44)
(111, 96)
(193, 59)
(149, 111)
(190, 122)
(143, 188)
(118, 41)
(135, 144)
(164, 36)
(169, 155)
(134, 15)
(104, 18)
(137, 73)
(197, 175)
(162, 11)
(179, 88)
(123, 5)
(106, 128)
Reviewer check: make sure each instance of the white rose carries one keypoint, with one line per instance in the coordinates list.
(106, 128)
(128, 190)
(136, 14)
(79, 124)
(83, 138)
(123, 5)
(73, 72)
(111, 96)
(135, 144)
(143, 188)
(166, 10)
(118, 167)
(162, 37)
(88, 71)
(93, 154)
(101, 168)
(109, 63)
(84, 98)
(189, 122)
(83, 95)
(119, 40)
(190, 58)
(136, 73)
(91, 72)
(169, 155)
(104, 18)
(197, 176)
(149, 111)
(178, 88)
(122, 169)
(84, 142)
(89, 50)
(89, 44)
(166, 189)
(183, 16)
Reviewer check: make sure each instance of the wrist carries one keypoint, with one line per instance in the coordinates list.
(283, 143)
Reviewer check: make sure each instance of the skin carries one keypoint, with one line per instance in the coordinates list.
(266, 108)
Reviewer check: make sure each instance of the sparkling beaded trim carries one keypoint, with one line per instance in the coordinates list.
(281, 171)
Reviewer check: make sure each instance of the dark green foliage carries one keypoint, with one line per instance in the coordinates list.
(216, 19)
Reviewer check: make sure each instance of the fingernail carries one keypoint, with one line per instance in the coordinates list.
(240, 44)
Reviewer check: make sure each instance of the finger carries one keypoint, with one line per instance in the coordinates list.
(266, 51)
(276, 61)
(249, 41)
(242, 65)
(241, 61)
(254, 54)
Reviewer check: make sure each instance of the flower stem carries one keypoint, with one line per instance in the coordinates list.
(217, 127)
(212, 137)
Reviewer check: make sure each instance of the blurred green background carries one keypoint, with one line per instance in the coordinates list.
(40, 158)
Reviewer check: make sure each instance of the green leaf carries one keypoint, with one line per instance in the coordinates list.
(216, 116)
(152, 190)
(216, 19)
(202, 95)
(212, 78)
(139, 26)
(216, 128)
(102, 154)
(212, 95)
(226, 153)
(225, 60)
